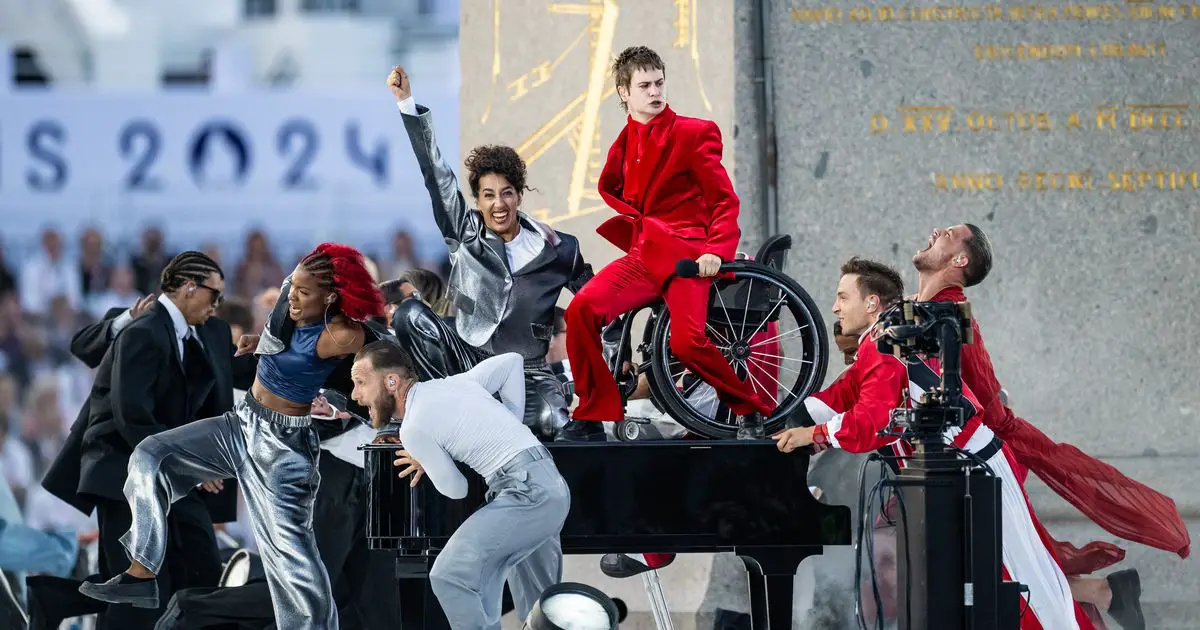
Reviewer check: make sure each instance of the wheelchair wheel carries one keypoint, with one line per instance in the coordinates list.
(771, 333)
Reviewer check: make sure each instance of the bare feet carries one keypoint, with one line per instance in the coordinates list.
(1091, 590)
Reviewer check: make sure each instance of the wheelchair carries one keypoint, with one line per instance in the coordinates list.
(763, 321)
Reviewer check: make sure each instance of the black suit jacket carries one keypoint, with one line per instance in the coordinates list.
(140, 390)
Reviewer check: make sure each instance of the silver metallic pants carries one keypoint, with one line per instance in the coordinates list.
(274, 457)
(514, 537)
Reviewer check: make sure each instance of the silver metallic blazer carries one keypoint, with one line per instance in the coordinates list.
(499, 309)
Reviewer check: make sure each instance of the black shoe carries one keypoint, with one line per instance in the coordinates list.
(1126, 605)
(171, 617)
(750, 427)
(124, 589)
(619, 565)
(583, 431)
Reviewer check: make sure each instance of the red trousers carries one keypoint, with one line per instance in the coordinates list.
(622, 286)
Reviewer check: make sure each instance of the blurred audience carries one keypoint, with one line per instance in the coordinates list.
(258, 269)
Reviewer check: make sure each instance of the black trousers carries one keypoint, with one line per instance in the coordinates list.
(363, 582)
(192, 557)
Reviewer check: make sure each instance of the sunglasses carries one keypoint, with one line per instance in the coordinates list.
(217, 296)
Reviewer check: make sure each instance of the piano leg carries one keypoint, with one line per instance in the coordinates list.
(771, 574)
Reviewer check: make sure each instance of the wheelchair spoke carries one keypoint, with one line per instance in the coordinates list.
(719, 336)
(778, 366)
(725, 310)
(779, 336)
(776, 356)
(765, 319)
(772, 377)
(760, 386)
(746, 311)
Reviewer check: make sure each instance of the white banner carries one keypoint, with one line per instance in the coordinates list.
(307, 165)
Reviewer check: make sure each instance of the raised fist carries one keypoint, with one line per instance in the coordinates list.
(246, 344)
(398, 84)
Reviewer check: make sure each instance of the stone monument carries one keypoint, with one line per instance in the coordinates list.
(1067, 131)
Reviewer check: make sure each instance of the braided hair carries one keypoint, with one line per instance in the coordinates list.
(340, 269)
(190, 266)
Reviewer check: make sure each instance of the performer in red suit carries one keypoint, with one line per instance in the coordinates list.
(961, 256)
(852, 411)
(674, 201)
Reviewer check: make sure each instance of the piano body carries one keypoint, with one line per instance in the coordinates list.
(679, 496)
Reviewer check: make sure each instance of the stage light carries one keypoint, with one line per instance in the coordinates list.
(573, 606)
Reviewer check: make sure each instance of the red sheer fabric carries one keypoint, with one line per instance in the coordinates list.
(1122, 506)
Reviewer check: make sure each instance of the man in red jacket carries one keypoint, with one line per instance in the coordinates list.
(961, 256)
(674, 201)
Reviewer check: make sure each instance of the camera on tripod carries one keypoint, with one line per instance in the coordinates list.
(912, 332)
(950, 528)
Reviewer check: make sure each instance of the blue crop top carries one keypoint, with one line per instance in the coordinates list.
(297, 373)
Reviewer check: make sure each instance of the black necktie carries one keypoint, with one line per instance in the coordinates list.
(197, 372)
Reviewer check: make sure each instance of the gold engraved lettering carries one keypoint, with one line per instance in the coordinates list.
(816, 15)
(1106, 117)
(1027, 121)
(926, 119)
(1135, 181)
(1069, 52)
(1046, 181)
(879, 123)
(860, 14)
(1157, 117)
(978, 121)
(968, 182)
(1073, 121)
(1136, 10)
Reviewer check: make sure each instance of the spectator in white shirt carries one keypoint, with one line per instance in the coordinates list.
(47, 274)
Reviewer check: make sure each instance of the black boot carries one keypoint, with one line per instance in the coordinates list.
(1126, 605)
(583, 431)
(750, 427)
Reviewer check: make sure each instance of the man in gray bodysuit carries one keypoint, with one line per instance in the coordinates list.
(507, 269)
(474, 418)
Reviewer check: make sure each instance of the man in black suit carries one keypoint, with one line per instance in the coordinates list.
(168, 367)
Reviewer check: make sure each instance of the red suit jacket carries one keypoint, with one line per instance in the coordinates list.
(1120, 505)
(687, 205)
(859, 403)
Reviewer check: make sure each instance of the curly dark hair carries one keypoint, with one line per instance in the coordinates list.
(495, 159)
(631, 60)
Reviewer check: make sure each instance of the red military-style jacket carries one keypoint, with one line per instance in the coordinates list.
(672, 195)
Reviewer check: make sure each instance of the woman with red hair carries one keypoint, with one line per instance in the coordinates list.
(268, 443)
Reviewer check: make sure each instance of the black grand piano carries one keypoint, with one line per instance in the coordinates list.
(682, 496)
